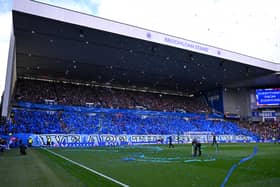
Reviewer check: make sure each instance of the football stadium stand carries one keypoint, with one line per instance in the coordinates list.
(80, 95)
(116, 122)
(62, 109)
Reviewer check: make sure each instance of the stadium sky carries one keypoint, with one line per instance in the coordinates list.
(250, 27)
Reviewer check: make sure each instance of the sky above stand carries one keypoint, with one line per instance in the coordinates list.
(249, 27)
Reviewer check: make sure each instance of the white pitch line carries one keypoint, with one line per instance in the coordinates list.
(89, 169)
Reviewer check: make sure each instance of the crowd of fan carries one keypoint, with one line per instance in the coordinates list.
(47, 122)
(79, 95)
(269, 130)
(36, 91)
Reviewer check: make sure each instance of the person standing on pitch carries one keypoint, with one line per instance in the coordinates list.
(30, 141)
(22, 148)
(196, 147)
(48, 141)
(170, 142)
(215, 140)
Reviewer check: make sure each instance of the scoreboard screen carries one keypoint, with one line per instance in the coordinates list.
(268, 97)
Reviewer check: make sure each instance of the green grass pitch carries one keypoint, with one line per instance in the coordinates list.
(141, 166)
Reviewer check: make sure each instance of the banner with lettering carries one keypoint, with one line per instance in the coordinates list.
(92, 140)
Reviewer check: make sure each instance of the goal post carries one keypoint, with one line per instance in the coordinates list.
(201, 136)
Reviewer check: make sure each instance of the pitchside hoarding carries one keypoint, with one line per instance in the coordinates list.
(93, 140)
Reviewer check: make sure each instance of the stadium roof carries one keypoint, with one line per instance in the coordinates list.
(60, 44)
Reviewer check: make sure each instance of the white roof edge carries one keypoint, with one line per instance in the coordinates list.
(73, 17)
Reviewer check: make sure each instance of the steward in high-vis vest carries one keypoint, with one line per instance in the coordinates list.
(48, 141)
(30, 141)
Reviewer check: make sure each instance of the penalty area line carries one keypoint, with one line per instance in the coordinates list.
(89, 169)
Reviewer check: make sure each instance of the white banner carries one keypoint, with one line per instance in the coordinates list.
(89, 140)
